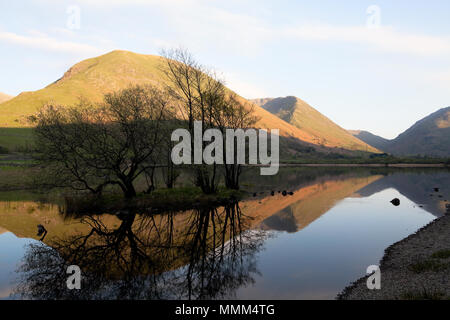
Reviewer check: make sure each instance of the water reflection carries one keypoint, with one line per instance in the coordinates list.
(336, 223)
(312, 201)
(203, 254)
(418, 186)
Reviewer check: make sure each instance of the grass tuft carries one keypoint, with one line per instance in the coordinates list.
(441, 254)
(428, 265)
(423, 295)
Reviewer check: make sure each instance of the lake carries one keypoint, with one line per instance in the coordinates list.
(309, 244)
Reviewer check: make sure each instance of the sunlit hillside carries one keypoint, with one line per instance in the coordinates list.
(324, 131)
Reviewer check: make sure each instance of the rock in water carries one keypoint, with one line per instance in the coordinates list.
(436, 189)
(396, 202)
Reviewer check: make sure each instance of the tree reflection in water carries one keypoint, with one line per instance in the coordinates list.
(208, 254)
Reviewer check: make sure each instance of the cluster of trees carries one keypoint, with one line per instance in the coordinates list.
(203, 97)
(91, 147)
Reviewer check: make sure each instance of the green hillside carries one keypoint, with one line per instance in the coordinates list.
(90, 78)
(16, 139)
(324, 131)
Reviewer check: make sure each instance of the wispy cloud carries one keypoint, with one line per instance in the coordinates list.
(42, 41)
(209, 24)
(200, 23)
(385, 39)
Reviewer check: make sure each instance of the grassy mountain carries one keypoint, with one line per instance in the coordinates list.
(90, 78)
(4, 97)
(372, 140)
(322, 130)
(429, 136)
(94, 77)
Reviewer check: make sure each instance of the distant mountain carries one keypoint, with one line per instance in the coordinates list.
(429, 136)
(4, 97)
(301, 115)
(373, 140)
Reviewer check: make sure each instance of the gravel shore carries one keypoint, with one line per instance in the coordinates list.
(416, 267)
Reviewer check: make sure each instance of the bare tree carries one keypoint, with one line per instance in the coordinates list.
(198, 89)
(89, 147)
(233, 112)
(169, 171)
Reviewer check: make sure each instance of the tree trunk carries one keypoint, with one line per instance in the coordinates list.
(232, 173)
(129, 190)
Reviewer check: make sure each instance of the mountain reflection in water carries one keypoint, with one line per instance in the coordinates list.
(214, 253)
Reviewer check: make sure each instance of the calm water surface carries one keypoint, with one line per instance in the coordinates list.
(308, 245)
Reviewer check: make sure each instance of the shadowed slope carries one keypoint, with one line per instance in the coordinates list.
(373, 140)
(429, 136)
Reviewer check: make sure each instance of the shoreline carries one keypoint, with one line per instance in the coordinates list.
(381, 165)
(376, 165)
(415, 268)
(27, 163)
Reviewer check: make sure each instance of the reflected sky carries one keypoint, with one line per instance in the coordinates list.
(12, 250)
(321, 259)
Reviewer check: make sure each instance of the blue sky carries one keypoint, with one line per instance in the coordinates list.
(372, 65)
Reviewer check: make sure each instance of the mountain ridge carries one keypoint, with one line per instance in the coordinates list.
(429, 136)
(300, 114)
(371, 139)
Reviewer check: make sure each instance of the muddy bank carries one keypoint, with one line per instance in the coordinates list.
(417, 267)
